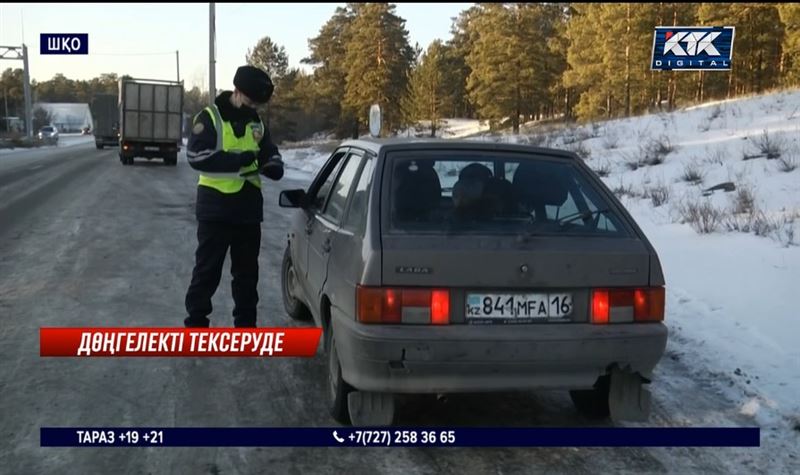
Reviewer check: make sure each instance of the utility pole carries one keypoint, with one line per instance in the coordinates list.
(26, 79)
(178, 64)
(212, 83)
(5, 99)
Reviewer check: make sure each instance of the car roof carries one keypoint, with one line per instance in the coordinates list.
(378, 145)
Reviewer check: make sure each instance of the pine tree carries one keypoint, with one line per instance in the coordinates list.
(609, 59)
(285, 107)
(13, 95)
(269, 57)
(427, 87)
(510, 76)
(378, 58)
(194, 100)
(549, 23)
(587, 72)
(557, 44)
(454, 63)
(790, 60)
(328, 58)
(58, 89)
(756, 49)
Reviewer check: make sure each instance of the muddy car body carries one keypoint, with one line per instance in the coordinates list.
(440, 266)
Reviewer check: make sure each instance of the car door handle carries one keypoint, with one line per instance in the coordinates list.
(326, 246)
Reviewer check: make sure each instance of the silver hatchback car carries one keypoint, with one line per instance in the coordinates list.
(439, 266)
(49, 134)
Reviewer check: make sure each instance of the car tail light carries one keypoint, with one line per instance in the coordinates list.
(440, 307)
(398, 305)
(392, 310)
(649, 304)
(370, 304)
(627, 305)
(600, 306)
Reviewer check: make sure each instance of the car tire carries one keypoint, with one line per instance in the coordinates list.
(294, 307)
(337, 389)
(99, 146)
(593, 403)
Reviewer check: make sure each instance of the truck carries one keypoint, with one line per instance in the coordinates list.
(151, 112)
(105, 120)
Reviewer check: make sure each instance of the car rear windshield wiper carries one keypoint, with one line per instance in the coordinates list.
(580, 215)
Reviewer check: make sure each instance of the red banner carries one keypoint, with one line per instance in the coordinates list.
(167, 342)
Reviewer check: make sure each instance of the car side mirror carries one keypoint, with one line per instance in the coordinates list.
(292, 199)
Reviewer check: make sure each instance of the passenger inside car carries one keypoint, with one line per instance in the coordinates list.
(431, 194)
(469, 192)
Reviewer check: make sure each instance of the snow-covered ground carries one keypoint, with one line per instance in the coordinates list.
(731, 307)
(448, 128)
(64, 140)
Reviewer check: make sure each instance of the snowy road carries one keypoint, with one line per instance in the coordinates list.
(87, 242)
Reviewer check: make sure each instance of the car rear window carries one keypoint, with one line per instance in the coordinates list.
(464, 192)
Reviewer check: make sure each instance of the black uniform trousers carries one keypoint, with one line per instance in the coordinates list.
(213, 241)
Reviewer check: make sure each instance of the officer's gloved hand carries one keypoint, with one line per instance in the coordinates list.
(246, 158)
(273, 168)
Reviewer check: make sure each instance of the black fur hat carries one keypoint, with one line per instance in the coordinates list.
(254, 83)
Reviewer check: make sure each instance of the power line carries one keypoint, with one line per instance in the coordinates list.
(132, 54)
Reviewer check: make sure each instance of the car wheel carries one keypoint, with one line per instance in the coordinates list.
(338, 389)
(593, 403)
(294, 307)
(99, 146)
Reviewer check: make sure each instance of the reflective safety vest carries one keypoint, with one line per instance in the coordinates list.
(228, 141)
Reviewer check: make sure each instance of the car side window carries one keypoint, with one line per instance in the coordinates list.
(357, 215)
(334, 210)
(328, 175)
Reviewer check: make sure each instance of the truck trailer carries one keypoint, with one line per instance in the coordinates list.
(105, 118)
(152, 118)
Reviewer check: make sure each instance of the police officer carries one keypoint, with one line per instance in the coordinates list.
(231, 148)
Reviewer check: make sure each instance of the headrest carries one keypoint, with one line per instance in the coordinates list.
(475, 171)
(417, 189)
(539, 184)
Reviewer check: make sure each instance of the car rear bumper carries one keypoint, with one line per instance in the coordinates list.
(475, 358)
(107, 140)
(148, 149)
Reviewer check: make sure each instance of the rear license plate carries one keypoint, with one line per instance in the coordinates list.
(516, 307)
(151, 149)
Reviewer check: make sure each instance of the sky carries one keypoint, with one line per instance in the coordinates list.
(141, 39)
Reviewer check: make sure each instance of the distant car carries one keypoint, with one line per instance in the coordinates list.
(86, 131)
(440, 266)
(48, 134)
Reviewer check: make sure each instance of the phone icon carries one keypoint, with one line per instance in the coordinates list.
(336, 436)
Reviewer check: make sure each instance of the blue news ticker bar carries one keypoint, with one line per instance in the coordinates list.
(399, 437)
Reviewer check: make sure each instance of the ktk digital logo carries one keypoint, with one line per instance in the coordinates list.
(693, 48)
(64, 43)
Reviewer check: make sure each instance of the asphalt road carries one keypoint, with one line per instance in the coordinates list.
(85, 241)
